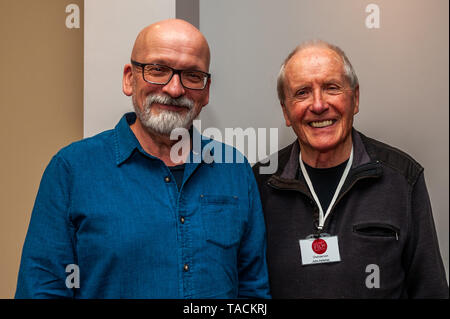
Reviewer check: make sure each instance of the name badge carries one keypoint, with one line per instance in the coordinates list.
(319, 250)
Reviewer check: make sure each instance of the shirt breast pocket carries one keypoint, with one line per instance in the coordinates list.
(221, 219)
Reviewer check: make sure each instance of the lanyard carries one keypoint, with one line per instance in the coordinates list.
(323, 217)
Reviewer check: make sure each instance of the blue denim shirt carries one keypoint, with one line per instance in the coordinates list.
(115, 211)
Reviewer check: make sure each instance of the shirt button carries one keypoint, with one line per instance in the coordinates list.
(167, 179)
(186, 267)
(182, 219)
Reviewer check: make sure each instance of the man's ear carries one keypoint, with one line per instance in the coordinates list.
(285, 113)
(127, 80)
(356, 100)
(206, 98)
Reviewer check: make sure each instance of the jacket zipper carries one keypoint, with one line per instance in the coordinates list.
(319, 231)
(346, 191)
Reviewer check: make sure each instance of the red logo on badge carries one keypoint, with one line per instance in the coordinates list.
(319, 246)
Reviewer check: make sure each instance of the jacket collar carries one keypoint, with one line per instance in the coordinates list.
(360, 154)
(363, 166)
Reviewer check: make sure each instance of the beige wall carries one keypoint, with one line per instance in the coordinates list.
(41, 85)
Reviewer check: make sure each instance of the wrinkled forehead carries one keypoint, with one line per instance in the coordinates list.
(173, 44)
(315, 61)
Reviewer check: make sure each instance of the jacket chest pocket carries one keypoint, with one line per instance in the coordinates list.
(380, 230)
(221, 219)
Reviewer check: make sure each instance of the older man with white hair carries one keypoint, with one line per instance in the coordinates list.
(346, 216)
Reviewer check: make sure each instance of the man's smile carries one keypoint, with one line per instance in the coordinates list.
(170, 107)
(321, 124)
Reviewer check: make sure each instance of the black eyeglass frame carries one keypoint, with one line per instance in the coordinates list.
(174, 71)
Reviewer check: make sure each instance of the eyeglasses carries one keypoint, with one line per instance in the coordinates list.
(162, 74)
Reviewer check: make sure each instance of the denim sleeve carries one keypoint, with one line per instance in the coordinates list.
(252, 264)
(48, 246)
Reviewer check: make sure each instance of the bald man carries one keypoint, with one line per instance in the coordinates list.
(117, 216)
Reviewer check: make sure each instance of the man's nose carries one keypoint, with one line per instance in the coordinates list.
(174, 88)
(319, 105)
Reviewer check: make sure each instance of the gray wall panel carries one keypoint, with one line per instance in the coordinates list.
(402, 67)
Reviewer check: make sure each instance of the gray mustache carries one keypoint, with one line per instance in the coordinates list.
(167, 100)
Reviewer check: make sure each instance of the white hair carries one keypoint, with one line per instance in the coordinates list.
(349, 72)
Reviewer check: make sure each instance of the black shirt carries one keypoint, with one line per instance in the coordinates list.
(325, 181)
(178, 173)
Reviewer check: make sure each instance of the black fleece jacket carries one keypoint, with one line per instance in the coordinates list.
(382, 217)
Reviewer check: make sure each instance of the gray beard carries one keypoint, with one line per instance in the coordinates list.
(165, 121)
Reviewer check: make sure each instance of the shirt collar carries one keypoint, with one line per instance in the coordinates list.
(126, 142)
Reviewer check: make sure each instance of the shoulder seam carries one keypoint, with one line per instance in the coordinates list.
(411, 169)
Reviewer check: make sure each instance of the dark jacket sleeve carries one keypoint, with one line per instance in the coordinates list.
(425, 274)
